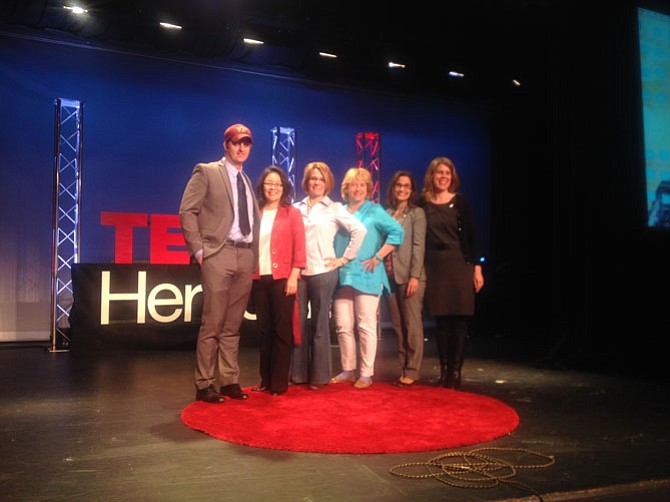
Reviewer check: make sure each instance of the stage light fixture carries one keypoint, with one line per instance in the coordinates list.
(75, 9)
(327, 55)
(396, 65)
(456, 74)
(252, 41)
(516, 82)
(170, 26)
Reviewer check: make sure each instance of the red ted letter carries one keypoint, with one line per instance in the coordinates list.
(124, 223)
(162, 239)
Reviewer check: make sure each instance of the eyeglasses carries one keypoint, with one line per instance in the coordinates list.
(408, 186)
(315, 179)
(267, 184)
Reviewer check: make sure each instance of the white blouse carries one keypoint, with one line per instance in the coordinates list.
(322, 221)
(264, 242)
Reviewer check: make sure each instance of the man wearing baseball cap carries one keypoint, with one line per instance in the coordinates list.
(220, 222)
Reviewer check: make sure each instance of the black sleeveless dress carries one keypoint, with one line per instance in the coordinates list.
(449, 278)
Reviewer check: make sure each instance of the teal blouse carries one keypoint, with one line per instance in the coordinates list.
(381, 229)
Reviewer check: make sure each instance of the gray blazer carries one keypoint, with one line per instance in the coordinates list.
(206, 211)
(408, 257)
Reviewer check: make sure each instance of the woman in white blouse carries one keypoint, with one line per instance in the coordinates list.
(322, 218)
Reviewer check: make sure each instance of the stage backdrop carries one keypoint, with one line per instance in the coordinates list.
(148, 120)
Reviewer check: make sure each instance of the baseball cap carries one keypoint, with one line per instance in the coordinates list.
(237, 132)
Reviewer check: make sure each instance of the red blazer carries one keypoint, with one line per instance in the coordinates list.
(287, 243)
(287, 249)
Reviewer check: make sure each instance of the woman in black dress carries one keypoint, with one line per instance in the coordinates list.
(453, 269)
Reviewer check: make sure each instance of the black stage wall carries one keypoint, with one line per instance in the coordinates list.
(582, 272)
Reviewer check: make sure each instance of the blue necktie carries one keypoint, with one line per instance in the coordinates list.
(242, 210)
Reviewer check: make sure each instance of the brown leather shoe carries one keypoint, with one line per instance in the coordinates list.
(208, 395)
(233, 391)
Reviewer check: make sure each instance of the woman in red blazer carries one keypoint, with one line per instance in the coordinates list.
(281, 257)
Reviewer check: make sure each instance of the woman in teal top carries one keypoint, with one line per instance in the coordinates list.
(362, 280)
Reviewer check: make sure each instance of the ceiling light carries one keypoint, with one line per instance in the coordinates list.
(516, 82)
(396, 65)
(328, 55)
(170, 26)
(75, 9)
(252, 41)
(456, 74)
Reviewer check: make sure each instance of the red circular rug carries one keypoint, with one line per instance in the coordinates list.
(340, 419)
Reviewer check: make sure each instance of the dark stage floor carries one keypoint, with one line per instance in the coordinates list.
(107, 428)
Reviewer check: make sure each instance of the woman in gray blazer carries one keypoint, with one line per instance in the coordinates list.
(407, 276)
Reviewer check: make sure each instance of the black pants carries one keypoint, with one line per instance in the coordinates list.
(274, 312)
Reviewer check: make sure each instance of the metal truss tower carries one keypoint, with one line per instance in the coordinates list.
(66, 209)
(368, 148)
(283, 152)
(368, 152)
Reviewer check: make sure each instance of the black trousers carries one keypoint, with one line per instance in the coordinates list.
(274, 313)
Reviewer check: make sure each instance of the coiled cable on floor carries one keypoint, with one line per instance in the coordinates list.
(474, 468)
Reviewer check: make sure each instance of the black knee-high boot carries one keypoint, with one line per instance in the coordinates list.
(458, 334)
(442, 340)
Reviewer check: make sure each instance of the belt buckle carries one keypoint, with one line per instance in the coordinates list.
(238, 244)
